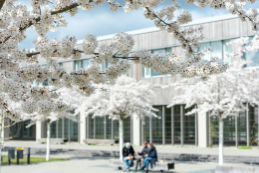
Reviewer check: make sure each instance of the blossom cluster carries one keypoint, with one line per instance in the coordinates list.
(41, 102)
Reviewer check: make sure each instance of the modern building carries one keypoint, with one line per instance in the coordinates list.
(173, 128)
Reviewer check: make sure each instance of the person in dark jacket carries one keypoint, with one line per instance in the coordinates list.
(144, 151)
(128, 156)
(151, 157)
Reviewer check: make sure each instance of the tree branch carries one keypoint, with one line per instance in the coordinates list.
(70, 7)
(80, 51)
(2, 3)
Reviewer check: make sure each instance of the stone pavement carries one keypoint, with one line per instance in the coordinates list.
(228, 151)
(93, 165)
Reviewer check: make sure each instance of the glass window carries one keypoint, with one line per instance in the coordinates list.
(99, 125)
(91, 127)
(242, 127)
(104, 65)
(108, 128)
(226, 50)
(146, 131)
(45, 82)
(61, 64)
(66, 131)
(216, 47)
(60, 129)
(252, 56)
(85, 63)
(157, 126)
(253, 125)
(160, 52)
(77, 65)
(177, 124)
(168, 50)
(168, 125)
(53, 130)
(74, 129)
(127, 129)
(189, 127)
(205, 46)
(116, 129)
(146, 72)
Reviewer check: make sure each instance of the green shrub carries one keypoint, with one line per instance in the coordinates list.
(244, 147)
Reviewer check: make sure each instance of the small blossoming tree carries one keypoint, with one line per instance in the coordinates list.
(122, 100)
(223, 95)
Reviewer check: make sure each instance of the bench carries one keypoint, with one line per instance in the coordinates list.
(100, 141)
(53, 140)
(159, 166)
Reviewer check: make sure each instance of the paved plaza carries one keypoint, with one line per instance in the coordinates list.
(83, 163)
(91, 165)
(177, 149)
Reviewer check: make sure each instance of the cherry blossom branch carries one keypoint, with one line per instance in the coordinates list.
(1, 3)
(67, 8)
(166, 24)
(80, 51)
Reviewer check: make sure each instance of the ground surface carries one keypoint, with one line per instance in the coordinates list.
(32, 160)
(91, 165)
(82, 163)
(228, 151)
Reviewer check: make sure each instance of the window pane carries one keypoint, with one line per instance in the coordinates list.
(168, 50)
(177, 124)
(85, 63)
(216, 47)
(60, 129)
(61, 64)
(91, 127)
(206, 46)
(127, 129)
(74, 129)
(99, 125)
(77, 65)
(168, 126)
(146, 72)
(157, 124)
(53, 130)
(108, 128)
(160, 52)
(253, 125)
(226, 50)
(252, 56)
(189, 127)
(147, 132)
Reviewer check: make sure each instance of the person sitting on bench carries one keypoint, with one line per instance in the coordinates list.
(128, 156)
(151, 157)
(144, 151)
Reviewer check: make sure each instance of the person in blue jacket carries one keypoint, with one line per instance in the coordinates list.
(151, 157)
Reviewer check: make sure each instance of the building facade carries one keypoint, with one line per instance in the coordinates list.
(173, 127)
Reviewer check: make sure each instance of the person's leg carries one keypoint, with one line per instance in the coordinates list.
(137, 162)
(130, 162)
(126, 163)
(146, 162)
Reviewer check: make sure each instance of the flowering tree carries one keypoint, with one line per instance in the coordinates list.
(46, 16)
(122, 100)
(46, 109)
(223, 95)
